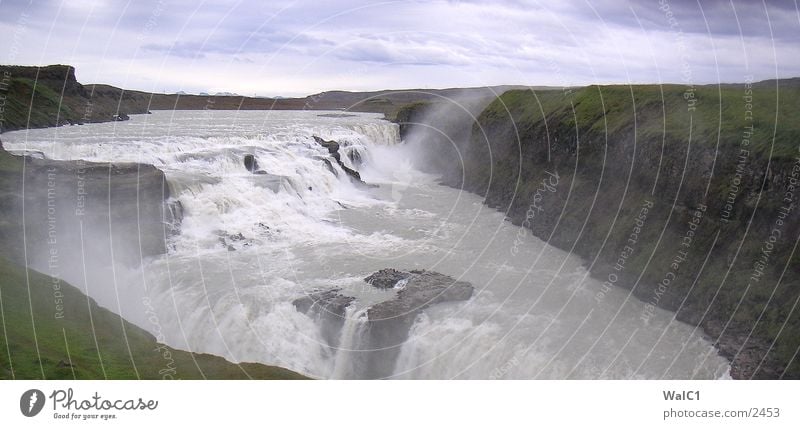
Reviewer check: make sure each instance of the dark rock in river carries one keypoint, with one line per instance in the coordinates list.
(250, 163)
(387, 323)
(333, 149)
(330, 301)
(328, 307)
(390, 321)
(423, 289)
(386, 278)
(332, 146)
(352, 173)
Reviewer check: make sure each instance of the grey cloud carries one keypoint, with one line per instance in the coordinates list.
(457, 42)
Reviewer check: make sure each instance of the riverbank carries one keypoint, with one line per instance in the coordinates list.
(715, 167)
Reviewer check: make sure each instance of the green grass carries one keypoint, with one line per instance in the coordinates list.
(99, 344)
(572, 131)
(662, 110)
(37, 107)
(96, 342)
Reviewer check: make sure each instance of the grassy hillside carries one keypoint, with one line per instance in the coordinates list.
(67, 335)
(37, 97)
(615, 147)
(51, 330)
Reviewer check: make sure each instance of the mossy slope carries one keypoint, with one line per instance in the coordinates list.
(681, 148)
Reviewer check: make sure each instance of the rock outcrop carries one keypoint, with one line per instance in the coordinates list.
(386, 278)
(328, 308)
(250, 163)
(419, 290)
(390, 321)
(37, 97)
(109, 210)
(387, 323)
(333, 149)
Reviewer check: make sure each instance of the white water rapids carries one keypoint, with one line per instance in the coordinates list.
(250, 244)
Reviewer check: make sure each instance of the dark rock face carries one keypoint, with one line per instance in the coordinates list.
(118, 211)
(51, 96)
(332, 146)
(386, 278)
(250, 163)
(388, 322)
(333, 149)
(355, 175)
(328, 307)
(747, 355)
(424, 288)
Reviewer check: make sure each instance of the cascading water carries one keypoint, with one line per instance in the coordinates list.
(250, 244)
(350, 347)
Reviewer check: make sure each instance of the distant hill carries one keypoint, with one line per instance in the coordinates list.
(37, 97)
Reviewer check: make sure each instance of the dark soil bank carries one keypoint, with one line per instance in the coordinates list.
(686, 196)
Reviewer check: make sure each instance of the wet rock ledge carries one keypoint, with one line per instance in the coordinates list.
(387, 323)
(119, 208)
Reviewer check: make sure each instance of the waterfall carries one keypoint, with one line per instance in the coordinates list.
(250, 244)
(351, 344)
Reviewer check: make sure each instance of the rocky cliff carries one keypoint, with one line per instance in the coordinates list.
(119, 211)
(687, 196)
(57, 217)
(36, 97)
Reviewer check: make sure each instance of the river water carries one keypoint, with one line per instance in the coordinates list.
(250, 244)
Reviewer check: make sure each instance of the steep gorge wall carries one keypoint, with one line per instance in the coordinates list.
(662, 190)
(37, 97)
(52, 208)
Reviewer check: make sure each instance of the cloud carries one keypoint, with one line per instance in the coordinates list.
(301, 47)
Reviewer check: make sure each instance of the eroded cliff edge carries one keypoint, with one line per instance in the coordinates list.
(685, 195)
(56, 217)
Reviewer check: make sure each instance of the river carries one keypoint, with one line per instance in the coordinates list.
(250, 244)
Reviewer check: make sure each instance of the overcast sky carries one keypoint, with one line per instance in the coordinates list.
(290, 48)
